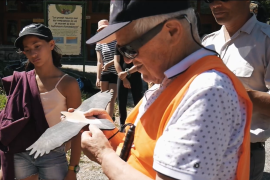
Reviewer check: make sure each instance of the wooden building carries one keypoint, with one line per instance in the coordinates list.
(15, 14)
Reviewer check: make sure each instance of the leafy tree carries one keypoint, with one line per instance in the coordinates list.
(266, 5)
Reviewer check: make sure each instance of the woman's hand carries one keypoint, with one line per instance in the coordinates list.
(122, 75)
(126, 83)
(105, 67)
(98, 83)
(71, 175)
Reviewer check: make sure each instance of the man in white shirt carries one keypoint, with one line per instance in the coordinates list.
(244, 46)
(186, 128)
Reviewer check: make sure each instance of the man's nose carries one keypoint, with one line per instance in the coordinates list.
(215, 4)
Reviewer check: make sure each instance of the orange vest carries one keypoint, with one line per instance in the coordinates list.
(153, 122)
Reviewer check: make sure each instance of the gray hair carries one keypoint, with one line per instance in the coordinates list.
(144, 24)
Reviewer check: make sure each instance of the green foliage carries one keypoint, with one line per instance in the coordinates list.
(266, 5)
(3, 99)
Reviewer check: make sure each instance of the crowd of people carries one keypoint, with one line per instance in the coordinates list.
(205, 116)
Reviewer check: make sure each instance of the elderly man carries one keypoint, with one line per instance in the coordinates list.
(194, 122)
(244, 46)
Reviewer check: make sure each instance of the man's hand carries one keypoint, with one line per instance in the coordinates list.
(126, 83)
(122, 75)
(71, 175)
(98, 113)
(95, 144)
(101, 114)
(260, 100)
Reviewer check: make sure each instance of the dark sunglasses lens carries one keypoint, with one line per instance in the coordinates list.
(128, 52)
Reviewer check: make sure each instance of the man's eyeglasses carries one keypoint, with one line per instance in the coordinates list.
(130, 50)
(210, 1)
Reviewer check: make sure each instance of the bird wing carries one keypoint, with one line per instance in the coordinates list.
(60, 133)
(99, 100)
(55, 136)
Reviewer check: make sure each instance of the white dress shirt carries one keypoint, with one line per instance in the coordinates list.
(202, 139)
(247, 55)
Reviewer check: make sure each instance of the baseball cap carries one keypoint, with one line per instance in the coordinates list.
(123, 12)
(33, 29)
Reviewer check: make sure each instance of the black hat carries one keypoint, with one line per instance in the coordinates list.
(124, 12)
(33, 29)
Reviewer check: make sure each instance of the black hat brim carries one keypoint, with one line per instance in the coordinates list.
(106, 35)
(17, 42)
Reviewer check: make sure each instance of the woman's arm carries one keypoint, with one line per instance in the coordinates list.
(122, 75)
(117, 65)
(99, 67)
(73, 99)
(119, 70)
(106, 66)
(133, 69)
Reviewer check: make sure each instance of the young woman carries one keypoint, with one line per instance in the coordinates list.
(128, 78)
(106, 73)
(56, 92)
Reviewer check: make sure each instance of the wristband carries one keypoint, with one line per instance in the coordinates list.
(127, 70)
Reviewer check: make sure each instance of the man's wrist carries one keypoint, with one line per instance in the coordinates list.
(105, 154)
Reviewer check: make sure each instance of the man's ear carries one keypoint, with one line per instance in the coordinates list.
(52, 44)
(174, 27)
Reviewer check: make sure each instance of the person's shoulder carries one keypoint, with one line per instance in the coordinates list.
(68, 85)
(69, 81)
(113, 42)
(264, 28)
(98, 45)
(210, 36)
(211, 79)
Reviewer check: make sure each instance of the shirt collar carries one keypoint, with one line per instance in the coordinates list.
(188, 61)
(249, 25)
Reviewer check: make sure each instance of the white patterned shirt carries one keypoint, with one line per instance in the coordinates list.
(202, 139)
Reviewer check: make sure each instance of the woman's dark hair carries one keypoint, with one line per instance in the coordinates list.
(56, 54)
